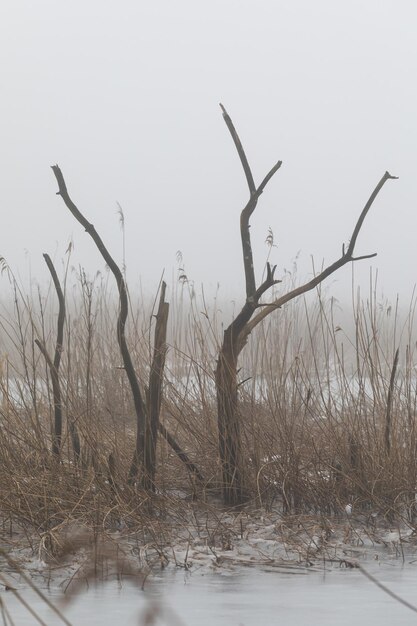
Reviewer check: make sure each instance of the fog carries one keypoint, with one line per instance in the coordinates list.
(124, 97)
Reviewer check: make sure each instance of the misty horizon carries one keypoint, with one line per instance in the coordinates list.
(126, 99)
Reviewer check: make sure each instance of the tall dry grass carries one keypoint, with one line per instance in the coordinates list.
(314, 403)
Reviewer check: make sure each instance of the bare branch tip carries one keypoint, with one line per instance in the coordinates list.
(363, 257)
(388, 175)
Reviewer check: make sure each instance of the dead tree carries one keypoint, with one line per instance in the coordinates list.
(251, 314)
(390, 397)
(156, 377)
(147, 417)
(53, 365)
(139, 404)
(154, 394)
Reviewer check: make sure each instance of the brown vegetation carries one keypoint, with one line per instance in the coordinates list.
(314, 402)
(315, 417)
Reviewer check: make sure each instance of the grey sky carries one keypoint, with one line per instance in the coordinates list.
(124, 97)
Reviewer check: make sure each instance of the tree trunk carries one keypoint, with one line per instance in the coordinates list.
(229, 426)
(154, 398)
(236, 335)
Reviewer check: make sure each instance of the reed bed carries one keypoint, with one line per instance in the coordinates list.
(328, 413)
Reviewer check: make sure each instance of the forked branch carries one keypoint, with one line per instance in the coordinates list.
(240, 151)
(346, 257)
(140, 407)
(121, 322)
(269, 282)
(254, 193)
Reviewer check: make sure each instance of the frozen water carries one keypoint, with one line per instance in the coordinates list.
(244, 597)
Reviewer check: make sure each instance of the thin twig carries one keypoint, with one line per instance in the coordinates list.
(15, 566)
(386, 589)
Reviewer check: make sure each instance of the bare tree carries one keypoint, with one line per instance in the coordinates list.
(252, 313)
(390, 398)
(139, 404)
(54, 364)
(147, 414)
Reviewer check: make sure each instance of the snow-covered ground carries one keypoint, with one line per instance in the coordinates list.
(205, 540)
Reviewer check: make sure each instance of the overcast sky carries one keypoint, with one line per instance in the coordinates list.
(124, 97)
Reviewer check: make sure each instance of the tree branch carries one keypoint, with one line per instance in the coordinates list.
(249, 208)
(56, 390)
(387, 434)
(180, 452)
(121, 321)
(240, 151)
(347, 256)
(61, 312)
(268, 177)
(54, 365)
(156, 376)
(386, 176)
(268, 282)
